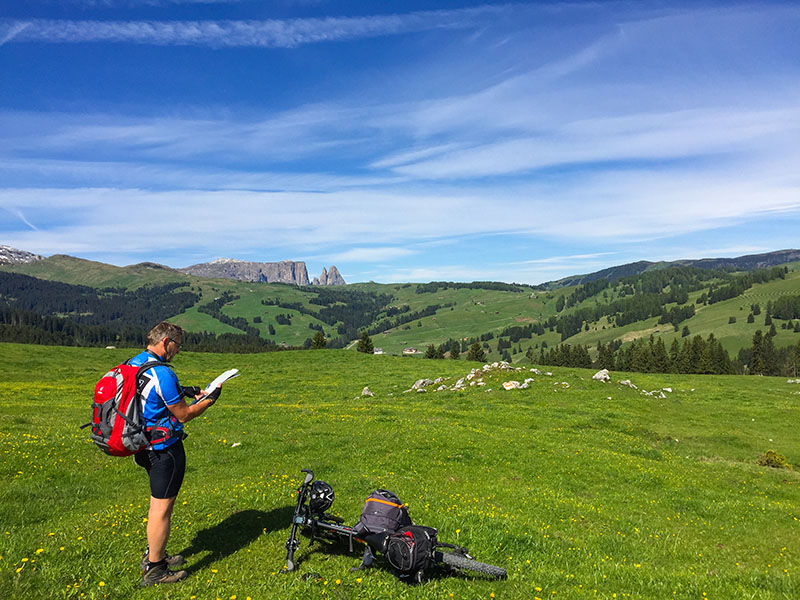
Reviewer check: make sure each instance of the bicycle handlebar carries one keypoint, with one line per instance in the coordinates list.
(309, 476)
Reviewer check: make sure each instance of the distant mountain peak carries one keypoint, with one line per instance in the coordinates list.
(222, 261)
(329, 277)
(14, 256)
(287, 271)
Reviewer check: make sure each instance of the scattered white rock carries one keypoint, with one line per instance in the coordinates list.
(367, 392)
(512, 385)
(422, 391)
(536, 371)
(669, 389)
(421, 383)
(793, 381)
(235, 444)
(602, 375)
(441, 388)
(529, 380)
(628, 383)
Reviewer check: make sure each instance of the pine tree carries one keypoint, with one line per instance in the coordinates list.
(757, 363)
(318, 342)
(581, 358)
(430, 352)
(455, 350)
(365, 343)
(661, 362)
(684, 358)
(476, 353)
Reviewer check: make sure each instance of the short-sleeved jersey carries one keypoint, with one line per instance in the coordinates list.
(161, 390)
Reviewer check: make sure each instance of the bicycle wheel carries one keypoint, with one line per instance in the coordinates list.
(451, 559)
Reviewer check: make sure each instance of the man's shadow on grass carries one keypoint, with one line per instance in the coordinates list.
(234, 533)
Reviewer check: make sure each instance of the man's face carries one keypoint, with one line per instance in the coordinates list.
(171, 348)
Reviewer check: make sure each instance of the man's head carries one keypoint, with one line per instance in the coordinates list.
(165, 339)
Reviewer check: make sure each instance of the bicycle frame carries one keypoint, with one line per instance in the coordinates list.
(303, 517)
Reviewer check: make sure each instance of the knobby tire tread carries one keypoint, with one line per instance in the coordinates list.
(461, 562)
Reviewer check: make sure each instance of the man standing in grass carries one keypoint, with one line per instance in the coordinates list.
(165, 412)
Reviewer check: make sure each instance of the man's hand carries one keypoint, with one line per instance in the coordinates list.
(192, 391)
(212, 397)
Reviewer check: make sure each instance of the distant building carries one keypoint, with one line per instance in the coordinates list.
(378, 351)
(410, 351)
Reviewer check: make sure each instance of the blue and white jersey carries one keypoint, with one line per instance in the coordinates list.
(161, 390)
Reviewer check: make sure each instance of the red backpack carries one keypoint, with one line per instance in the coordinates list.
(118, 425)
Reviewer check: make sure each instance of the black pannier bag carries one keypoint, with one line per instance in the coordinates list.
(410, 550)
(382, 512)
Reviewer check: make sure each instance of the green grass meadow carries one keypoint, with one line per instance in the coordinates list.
(579, 489)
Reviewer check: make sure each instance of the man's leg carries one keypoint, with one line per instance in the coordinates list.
(158, 526)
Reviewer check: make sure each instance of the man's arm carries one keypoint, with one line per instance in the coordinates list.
(186, 412)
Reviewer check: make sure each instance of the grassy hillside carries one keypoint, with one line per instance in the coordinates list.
(712, 318)
(579, 489)
(68, 269)
(462, 313)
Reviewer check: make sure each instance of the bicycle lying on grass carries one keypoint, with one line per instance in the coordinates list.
(411, 550)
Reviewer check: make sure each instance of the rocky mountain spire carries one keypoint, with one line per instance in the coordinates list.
(329, 277)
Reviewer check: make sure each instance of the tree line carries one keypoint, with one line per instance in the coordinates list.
(694, 355)
(110, 307)
(26, 327)
(435, 286)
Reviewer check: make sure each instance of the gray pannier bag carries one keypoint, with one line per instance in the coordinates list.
(382, 512)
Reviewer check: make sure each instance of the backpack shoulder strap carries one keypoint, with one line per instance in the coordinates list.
(146, 367)
(149, 365)
(385, 502)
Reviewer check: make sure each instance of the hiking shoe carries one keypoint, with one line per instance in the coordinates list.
(159, 573)
(172, 561)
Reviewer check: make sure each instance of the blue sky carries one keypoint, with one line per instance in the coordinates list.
(400, 141)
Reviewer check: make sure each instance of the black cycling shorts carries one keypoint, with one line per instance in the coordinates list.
(165, 468)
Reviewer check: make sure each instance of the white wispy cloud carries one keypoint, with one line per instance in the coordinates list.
(677, 204)
(19, 215)
(572, 258)
(371, 254)
(272, 33)
(9, 31)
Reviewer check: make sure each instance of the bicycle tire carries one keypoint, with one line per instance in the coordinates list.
(451, 559)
